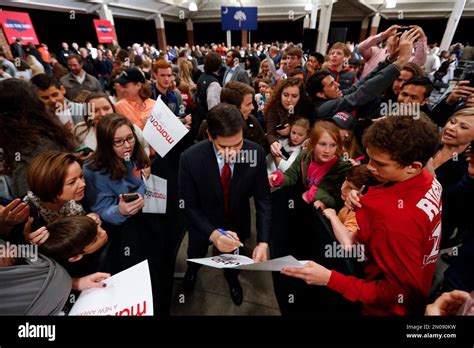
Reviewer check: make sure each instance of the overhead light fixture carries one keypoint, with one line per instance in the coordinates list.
(391, 4)
(192, 6)
(308, 6)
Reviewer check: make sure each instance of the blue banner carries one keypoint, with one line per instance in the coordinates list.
(239, 18)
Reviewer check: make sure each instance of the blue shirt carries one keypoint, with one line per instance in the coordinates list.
(102, 193)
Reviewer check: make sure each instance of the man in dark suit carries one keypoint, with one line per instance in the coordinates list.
(217, 177)
(234, 71)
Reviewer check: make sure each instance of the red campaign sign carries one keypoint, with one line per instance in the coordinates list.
(104, 30)
(18, 25)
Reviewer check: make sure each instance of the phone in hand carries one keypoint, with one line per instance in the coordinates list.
(130, 197)
(284, 154)
(403, 28)
(470, 77)
(84, 149)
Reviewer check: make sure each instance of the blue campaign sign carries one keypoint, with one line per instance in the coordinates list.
(239, 18)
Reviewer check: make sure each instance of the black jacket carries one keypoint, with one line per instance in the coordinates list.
(200, 192)
(364, 93)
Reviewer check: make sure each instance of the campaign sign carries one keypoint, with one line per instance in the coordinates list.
(104, 30)
(127, 293)
(163, 130)
(18, 25)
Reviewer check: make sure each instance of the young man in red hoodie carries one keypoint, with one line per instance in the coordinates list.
(399, 221)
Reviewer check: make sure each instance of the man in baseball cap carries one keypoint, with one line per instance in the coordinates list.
(130, 75)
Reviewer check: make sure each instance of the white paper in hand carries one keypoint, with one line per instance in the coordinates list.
(163, 130)
(121, 297)
(246, 263)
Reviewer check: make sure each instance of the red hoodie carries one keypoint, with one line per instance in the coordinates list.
(400, 228)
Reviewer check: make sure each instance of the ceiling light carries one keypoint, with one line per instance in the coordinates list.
(391, 4)
(193, 7)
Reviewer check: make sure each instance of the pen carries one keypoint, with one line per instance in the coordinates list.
(222, 231)
(362, 189)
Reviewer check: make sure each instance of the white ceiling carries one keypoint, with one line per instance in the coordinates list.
(268, 10)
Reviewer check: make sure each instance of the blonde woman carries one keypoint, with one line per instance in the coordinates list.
(185, 68)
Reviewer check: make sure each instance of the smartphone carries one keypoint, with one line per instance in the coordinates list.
(84, 149)
(402, 29)
(130, 197)
(469, 76)
(281, 126)
(284, 154)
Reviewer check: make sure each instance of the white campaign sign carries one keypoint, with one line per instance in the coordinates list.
(155, 195)
(163, 130)
(246, 263)
(128, 293)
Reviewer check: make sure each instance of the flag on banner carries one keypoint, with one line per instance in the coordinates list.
(239, 18)
(104, 30)
(163, 130)
(127, 293)
(18, 25)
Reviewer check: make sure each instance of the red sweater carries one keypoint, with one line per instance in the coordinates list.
(400, 228)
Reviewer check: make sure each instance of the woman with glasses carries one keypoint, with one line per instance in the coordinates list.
(100, 106)
(115, 189)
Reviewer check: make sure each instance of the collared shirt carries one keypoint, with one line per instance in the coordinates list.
(135, 112)
(221, 162)
(228, 77)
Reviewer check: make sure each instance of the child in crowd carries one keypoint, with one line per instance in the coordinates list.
(261, 98)
(344, 223)
(350, 147)
(320, 168)
(75, 242)
(339, 55)
(290, 147)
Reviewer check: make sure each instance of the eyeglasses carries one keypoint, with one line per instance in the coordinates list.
(120, 142)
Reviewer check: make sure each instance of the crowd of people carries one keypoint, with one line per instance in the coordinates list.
(339, 150)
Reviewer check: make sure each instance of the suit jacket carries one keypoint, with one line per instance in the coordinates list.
(201, 193)
(239, 75)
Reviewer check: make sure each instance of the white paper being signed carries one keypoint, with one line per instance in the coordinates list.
(128, 293)
(246, 263)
